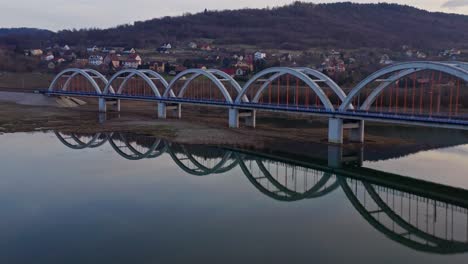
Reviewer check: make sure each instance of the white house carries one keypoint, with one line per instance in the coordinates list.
(95, 60)
(66, 47)
(192, 45)
(92, 49)
(129, 51)
(49, 57)
(259, 55)
(385, 60)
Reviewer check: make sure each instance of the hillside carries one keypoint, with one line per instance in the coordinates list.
(295, 26)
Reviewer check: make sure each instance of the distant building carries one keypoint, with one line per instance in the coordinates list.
(259, 55)
(65, 48)
(421, 55)
(130, 64)
(385, 60)
(69, 55)
(192, 45)
(95, 60)
(166, 46)
(129, 50)
(136, 57)
(36, 52)
(206, 47)
(109, 50)
(112, 60)
(92, 49)
(48, 57)
(159, 67)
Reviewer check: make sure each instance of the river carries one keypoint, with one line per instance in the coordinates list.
(128, 198)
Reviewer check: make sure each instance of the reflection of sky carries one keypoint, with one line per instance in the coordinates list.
(92, 206)
(447, 166)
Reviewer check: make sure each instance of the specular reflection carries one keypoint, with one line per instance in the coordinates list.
(421, 215)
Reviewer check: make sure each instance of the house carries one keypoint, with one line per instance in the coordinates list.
(421, 55)
(259, 55)
(81, 63)
(131, 64)
(66, 47)
(166, 46)
(180, 68)
(192, 45)
(409, 53)
(385, 60)
(92, 49)
(95, 60)
(162, 50)
(112, 60)
(286, 57)
(59, 60)
(69, 55)
(48, 57)
(333, 65)
(206, 47)
(36, 52)
(136, 57)
(158, 67)
(129, 50)
(230, 71)
(108, 50)
(244, 65)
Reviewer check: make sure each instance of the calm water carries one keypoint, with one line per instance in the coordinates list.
(120, 198)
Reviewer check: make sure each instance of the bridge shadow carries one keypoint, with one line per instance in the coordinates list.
(421, 215)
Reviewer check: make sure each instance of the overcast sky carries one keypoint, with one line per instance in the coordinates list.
(66, 14)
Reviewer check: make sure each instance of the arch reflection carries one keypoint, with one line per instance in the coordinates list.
(424, 216)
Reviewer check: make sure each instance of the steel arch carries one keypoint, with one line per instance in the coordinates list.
(215, 72)
(309, 71)
(82, 72)
(133, 72)
(206, 73)
(452, 69)
(294, 72)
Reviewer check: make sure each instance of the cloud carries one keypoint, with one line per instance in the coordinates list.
(455, 3)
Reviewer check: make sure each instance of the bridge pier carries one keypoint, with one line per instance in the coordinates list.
(115, 104)
(336, 127)
(102, 105)
(335, 130)
(356, 133)
(176, 110)
(250, 117)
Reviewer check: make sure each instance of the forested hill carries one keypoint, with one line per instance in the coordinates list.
(295, 26)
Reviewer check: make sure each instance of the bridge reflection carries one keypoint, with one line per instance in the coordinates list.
(421, 215)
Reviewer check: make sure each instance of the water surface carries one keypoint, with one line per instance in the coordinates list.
(123, 198)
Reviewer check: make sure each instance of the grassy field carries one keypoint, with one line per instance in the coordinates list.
(13, 80)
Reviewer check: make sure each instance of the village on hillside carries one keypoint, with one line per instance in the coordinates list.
(345, 66)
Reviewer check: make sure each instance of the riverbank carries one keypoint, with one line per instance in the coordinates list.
(34, 112)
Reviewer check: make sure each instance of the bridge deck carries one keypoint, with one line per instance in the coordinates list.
(460, 122)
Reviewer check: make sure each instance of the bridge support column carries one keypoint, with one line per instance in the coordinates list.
(250, 117)
(102, 105)
(335, 156)
(233, 118)
(176, 110)
(335, 130)
(117, 105)
(162, 110)
(356, 133)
